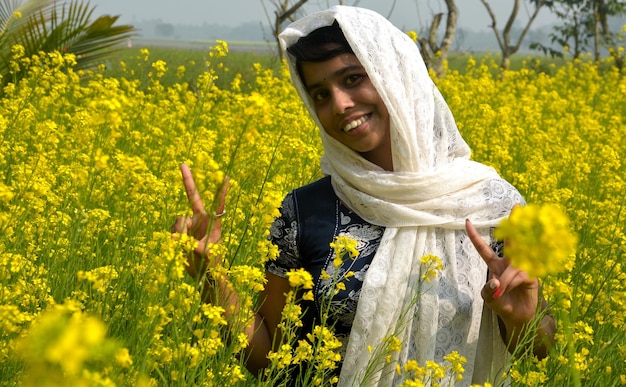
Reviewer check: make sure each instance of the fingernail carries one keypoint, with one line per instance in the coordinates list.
(492, 285)
(497, 293)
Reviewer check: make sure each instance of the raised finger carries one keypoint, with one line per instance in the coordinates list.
(192, 191)
(221, 199)
(489, 256)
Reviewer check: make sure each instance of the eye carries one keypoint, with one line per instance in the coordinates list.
(319, 95)
(353, 79)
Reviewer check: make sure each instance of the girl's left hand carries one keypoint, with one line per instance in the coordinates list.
(510, 292)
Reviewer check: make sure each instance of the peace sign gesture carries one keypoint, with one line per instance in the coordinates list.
(513, 295)
(510, 292)
(204, 227)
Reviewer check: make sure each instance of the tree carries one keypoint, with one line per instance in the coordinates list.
(164, 29)
(504, 39)
(283, 12)
(49, 25)
(584, 27)
(434, 53)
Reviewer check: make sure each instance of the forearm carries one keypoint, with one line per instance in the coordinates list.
(516, 334)
(241, 318)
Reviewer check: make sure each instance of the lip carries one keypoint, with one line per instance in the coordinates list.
(364, 117)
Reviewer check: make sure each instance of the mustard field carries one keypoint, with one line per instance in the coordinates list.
(93, 290)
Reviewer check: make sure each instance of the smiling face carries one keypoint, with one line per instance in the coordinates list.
(349, 106)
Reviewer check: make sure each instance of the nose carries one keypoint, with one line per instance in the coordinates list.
(342, 101)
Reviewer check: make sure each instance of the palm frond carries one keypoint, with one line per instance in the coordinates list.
(7, 8)
(15, 14)
(98, 39)
(65, 26)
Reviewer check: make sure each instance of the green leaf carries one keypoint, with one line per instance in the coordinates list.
(64, 26)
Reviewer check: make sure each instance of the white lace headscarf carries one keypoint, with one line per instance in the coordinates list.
(423, 204)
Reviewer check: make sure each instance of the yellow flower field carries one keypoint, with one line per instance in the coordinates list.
(93, 290)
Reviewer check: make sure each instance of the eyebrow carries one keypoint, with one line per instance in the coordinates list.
(336, 74)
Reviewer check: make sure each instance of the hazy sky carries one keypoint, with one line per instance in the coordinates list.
(406, 14)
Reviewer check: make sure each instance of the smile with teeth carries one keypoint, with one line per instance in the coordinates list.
(355, 123)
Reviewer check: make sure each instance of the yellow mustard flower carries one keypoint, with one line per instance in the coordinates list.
(342, 245)
(123, 358)
(413, 35)
(431, 265)
(539, 238)
(300, 278)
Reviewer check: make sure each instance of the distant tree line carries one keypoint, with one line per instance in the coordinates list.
(70, 26)
(583, 27)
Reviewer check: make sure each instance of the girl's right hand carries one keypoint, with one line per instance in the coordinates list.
(199, 223)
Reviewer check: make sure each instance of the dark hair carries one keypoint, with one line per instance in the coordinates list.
(320, 45)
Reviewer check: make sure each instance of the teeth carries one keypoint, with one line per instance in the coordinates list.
(354, 124)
